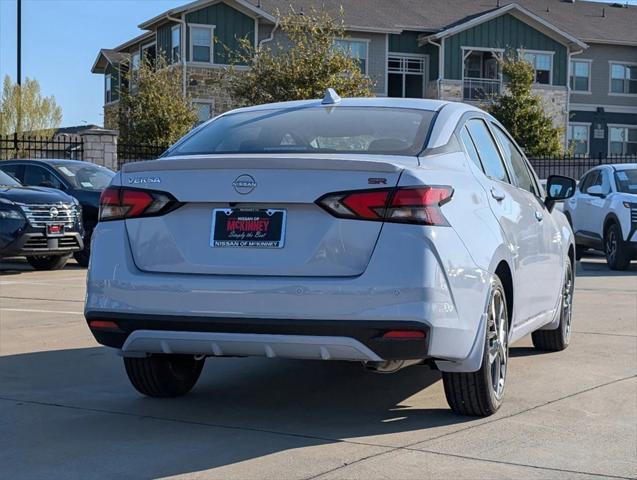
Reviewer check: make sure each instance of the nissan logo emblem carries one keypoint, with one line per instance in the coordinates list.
(244, 184)
(53, 212)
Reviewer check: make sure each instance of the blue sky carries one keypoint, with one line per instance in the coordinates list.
(61, 39)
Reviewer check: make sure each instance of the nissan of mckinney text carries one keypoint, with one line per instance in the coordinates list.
(390, 232)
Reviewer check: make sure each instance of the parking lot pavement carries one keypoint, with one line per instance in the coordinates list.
(68, 411)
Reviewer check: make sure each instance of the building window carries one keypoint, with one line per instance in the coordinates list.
(623, 78)
(578, 135)
(356, 49)
(204, 111)
(135, 59)
(405, 76)
(175, 42)
(108, 88)
(201, 38)
(148, 53)
(622, 140)
(580, 76)
(542, 64)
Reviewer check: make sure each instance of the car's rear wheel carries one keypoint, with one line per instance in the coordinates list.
(558, 339)
(480, 393)
(163, 375)
(48, 262)
(617, 256)
(82, 257)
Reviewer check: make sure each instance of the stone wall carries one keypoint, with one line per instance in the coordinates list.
(207, 83)
(451, 90)
(110, 116)
(555, 103)
(100, 147)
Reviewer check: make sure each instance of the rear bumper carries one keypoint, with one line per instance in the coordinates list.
(406, 285)
(310, 339)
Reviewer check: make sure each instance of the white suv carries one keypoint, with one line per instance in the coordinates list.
(603, 213)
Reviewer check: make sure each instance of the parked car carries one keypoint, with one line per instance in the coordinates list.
(82, 180)
(42, 224)
(603, 213)
(387, 231)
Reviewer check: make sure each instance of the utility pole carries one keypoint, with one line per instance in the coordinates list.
(19, 76)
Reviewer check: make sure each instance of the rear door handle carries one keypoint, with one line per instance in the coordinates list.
(497, 194)
(538, 216)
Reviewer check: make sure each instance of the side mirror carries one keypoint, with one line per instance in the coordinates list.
(595, 190)
(558, 188)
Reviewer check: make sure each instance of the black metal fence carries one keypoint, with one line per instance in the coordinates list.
(25, 146)
(575, 167)
(127, 152)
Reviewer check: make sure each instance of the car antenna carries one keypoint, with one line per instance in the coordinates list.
(331, 97)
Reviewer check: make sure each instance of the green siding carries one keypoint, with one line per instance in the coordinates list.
(407, 42)
(230, 25)
(505, 32)
(164, 42)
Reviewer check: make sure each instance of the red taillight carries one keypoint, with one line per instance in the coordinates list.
(117, 203)
(103, 325)
(419, 205)
(404, 335)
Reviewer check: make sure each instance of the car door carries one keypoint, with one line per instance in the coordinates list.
(588, 209)
(548, 267)
(517, 218)
(598, 205)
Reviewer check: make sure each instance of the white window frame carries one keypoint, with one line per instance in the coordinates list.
(404, 73)
(205, 101)
(172, 45)
(572, 74)
(191, 45)
(366, 41)
(619, 125)
(132, 60)
(588, 134)
(522, 51)
(610, 78)
(146, 46)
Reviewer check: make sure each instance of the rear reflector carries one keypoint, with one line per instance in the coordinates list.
(117, 203)
(418, 205)
(103, 325)
(404, 334)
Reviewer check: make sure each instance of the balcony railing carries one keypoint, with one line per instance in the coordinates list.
(480, 88)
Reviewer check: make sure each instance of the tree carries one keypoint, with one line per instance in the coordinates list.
(300, 66)
(522, 114)
(152, 108)
(38, 114)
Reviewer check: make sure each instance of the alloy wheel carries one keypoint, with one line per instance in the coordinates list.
(611, 245)
(497, 342)
(567, 303)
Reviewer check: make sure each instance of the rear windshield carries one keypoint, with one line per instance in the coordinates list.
(364, 130)
(626, 180)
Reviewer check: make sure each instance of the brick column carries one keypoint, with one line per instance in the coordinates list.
(100, 147)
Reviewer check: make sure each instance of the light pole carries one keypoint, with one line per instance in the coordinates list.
(19, 79)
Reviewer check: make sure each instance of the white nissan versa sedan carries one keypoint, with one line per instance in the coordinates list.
(385, 231)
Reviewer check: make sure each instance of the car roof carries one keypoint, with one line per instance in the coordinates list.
(624, 166)
(50, 161)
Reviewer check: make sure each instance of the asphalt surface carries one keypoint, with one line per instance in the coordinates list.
(68, 411)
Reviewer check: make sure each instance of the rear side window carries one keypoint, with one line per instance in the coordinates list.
(516, 162)
(16, 171)
(39, 177)
(339, 129)
(487, 150)
(471, 148)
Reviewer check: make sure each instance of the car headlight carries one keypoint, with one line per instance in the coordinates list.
(8, 213)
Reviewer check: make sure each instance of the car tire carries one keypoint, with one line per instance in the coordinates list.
(558, 339)
(480, 393)
(82, 257)
(617, 256)
(163, 376)
(48, 262)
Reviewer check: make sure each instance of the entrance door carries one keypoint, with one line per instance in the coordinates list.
(406, 75)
